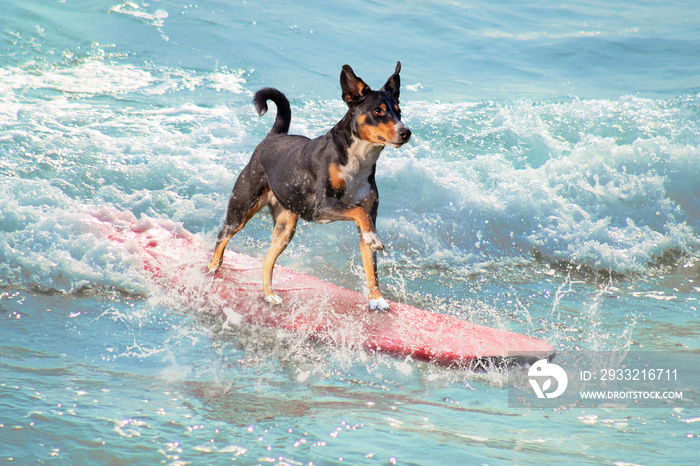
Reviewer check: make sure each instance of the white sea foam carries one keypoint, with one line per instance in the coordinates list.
(92, 77)
(606, 184)
(605, 201)
(49, 243)
(156, 18)
(95, 76)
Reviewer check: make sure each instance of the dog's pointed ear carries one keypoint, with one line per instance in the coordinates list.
(354, 89)
(394, 82)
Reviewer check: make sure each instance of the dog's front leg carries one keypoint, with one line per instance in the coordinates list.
(334, 209)
(371, 205)
(369, 263)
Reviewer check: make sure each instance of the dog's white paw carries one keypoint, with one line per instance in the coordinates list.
(273, 299)
(213, 266)
(378, 305)
(372, 240)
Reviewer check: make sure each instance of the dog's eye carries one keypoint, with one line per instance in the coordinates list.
(379, 112)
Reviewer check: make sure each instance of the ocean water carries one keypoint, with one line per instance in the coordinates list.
(551, 187)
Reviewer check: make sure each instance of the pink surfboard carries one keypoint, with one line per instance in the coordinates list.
(177, 261)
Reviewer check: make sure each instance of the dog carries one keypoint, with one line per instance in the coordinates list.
(321, 180)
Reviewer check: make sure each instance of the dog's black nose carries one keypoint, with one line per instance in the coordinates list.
(404, 134)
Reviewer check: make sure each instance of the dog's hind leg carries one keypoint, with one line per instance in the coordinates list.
(247, 199)
(282, 234)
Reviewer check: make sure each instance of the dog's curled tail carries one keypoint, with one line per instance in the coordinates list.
(284, 112)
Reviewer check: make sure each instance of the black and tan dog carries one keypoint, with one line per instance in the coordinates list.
(319, 180)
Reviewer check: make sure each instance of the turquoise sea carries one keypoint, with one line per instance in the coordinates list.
(551, 187)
